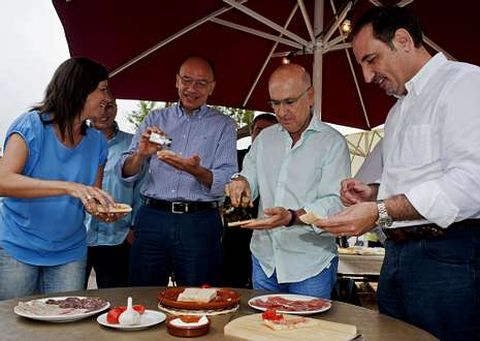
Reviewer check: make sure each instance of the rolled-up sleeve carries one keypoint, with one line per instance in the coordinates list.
(455, 195)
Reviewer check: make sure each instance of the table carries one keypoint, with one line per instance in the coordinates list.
(365, 267)
(372, 325)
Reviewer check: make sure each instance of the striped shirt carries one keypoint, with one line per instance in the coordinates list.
(207, 133)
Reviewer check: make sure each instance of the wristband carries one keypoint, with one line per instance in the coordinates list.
(294, 217)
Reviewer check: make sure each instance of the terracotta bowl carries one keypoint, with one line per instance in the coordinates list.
(187, 331)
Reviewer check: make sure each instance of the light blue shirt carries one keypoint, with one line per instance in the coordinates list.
(306, 176)
(49, 230)
(208, 133)
(101, 233)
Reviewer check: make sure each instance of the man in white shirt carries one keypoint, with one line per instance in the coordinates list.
(295, 166)
(429, 192)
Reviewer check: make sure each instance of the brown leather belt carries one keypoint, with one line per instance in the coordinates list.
(179, 206)
(416, 232)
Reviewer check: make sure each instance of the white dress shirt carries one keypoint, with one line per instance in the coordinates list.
(432, 143)
(306, 176)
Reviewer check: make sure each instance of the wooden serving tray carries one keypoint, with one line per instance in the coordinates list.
(250, 327)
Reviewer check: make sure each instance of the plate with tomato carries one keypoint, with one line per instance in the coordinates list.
(148, 318)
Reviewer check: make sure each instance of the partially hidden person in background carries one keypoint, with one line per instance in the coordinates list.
(178, 228)
(237, 258)
(108, 245)
(428, 199)
(50, 173)
(295, 167)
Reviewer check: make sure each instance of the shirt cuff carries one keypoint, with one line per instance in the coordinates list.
(431, 202)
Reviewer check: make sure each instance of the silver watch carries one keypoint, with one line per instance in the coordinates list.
(384, 220)
(237, 176)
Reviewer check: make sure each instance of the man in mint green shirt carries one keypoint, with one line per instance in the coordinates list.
(295, 167)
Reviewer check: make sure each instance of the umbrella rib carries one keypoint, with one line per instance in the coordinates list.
(404, 3)
(267, 22)
(376, 3)
(306, 18)
(354, 75)
(339, 19)
(436, 47)
(255, 32)
(267, 59)
(169, 39)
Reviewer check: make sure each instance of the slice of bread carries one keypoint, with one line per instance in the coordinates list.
(290, 322)
(165, 152)
(200, 295)
(118, 208)
(239, 223)
(308, 218)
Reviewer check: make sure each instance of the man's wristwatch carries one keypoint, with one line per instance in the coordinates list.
(237, 176)
(384, 220)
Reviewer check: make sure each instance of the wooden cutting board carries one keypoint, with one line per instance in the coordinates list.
(250, 327)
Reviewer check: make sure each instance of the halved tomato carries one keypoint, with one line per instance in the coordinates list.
(114, 314)
(271, 314)
(137, 307)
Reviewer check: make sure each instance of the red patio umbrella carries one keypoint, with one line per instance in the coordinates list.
(142, 43)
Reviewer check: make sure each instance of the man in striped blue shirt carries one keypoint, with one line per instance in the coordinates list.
(178, 227)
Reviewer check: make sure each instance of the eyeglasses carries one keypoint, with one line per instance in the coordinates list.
(199, 83)
(275, 103)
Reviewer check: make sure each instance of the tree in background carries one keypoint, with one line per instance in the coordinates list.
(243, 117)
(136, 117)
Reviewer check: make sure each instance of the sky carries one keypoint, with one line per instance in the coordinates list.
(33, 45)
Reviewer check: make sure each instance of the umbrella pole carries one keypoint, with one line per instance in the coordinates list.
(318, 59)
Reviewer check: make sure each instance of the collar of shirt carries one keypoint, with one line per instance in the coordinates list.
(195, 114)
(313, 125)
(418, 83)
(111, 141)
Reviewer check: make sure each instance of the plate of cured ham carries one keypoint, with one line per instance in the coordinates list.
(61, 309)
(290, 303)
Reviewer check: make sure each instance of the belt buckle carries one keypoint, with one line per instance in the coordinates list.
(179, 207)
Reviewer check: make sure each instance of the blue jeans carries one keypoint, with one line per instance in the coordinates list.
(19, 279)
(434, 284)
(187, 245)
(320, 285)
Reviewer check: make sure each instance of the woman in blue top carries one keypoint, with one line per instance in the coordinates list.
(50, 174)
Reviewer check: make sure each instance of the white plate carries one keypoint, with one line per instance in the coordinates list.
(148, 318)
(290, 297)
(74, 316)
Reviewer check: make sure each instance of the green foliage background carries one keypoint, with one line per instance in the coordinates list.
(243, 117)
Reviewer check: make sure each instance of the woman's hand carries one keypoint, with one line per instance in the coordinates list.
(90, 196)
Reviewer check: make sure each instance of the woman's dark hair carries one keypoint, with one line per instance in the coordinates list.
(386, 21)
(67, 92)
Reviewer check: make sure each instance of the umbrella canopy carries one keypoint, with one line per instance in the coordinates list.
(143, 42)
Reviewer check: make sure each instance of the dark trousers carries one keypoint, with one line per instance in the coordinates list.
(186, 245)
(110, 264)
(434, 284)
(237, 258)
